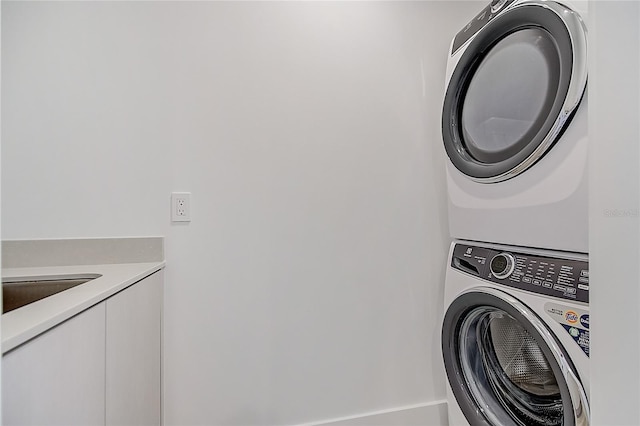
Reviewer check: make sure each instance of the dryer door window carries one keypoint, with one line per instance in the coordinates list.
(513, 90)
(505, 367)
(510, 95)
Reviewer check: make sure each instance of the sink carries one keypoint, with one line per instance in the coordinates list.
(18, 292)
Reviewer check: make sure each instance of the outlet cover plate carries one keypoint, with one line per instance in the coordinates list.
(181, 207)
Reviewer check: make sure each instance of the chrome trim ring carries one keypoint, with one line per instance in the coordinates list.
(577, 85)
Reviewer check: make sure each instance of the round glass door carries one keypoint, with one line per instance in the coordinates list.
(505, 367)
(513, 91)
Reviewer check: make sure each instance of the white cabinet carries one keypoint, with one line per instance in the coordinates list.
(133, 354)
(100, 367)
(58, 377)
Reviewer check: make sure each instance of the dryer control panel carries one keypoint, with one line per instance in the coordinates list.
(479, 21)
(561, 278)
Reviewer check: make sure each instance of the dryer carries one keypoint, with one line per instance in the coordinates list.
(515, 336)
(514, 126)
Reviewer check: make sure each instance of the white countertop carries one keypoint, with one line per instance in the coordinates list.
(26, 322)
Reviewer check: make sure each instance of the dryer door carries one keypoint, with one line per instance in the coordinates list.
(504, 365)
(514, 89)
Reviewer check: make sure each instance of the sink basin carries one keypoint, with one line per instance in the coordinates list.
(18, 292)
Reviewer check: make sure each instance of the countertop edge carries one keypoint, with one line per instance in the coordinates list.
(25, 323)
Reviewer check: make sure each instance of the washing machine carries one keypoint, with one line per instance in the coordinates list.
(514, 126)
(515, 336)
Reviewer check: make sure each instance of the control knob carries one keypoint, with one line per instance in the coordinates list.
(496, 5)
(502, 265)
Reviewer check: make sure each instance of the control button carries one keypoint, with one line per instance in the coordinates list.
(502, 265)
(584, 280)
(496, 5)
(583, 287)
(547, 284)
(571, 290)
(526, 279)
(559, 287)
(584, 273)
(536, 282)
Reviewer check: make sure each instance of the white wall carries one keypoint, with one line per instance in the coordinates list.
(309, 284)
(614, 135)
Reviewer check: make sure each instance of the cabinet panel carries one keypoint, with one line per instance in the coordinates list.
(58, 377)
(133, 361)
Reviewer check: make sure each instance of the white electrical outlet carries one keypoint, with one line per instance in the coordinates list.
(181, 207)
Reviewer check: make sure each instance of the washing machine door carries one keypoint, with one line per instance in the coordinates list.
(514, 88)
(504, 365)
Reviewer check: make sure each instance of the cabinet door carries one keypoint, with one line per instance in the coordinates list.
(134, 354)
(58, 378)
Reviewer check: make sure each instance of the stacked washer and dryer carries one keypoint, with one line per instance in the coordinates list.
(515, 336)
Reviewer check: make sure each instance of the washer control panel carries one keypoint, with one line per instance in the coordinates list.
(562, 278)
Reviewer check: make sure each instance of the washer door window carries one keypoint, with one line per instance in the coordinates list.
(514, 89)
(505, 367)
